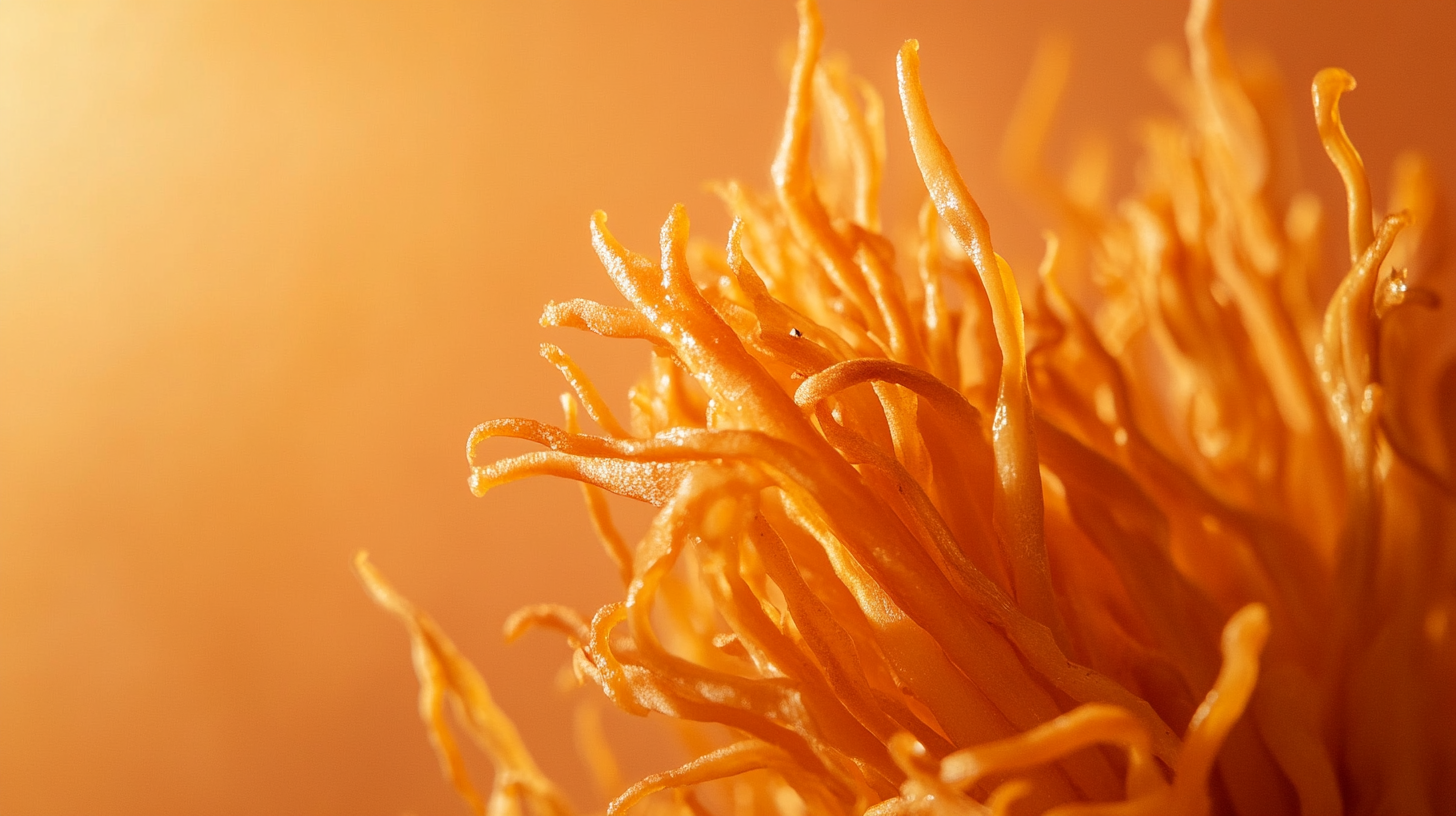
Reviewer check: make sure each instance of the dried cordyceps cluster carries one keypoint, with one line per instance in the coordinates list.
(925, 558)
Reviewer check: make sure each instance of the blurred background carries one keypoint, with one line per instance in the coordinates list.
(264, 264)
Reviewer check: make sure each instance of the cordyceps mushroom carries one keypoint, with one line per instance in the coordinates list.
(1146, 542)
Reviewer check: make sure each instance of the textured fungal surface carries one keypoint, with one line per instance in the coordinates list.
(1154, 535)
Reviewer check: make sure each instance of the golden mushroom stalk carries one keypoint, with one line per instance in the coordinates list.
(927, 553)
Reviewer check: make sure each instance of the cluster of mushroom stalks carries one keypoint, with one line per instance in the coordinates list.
(1166, 540)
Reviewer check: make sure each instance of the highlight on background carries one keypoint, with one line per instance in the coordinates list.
(263, 266)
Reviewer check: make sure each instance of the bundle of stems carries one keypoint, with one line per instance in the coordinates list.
(1164, 540)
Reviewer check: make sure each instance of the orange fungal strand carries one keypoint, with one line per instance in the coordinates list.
(795, 182)
(1329, 85)
(443, 674)
(596, 407)
(1016, 463)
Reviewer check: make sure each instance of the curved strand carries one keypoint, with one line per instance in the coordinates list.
(563, 619)
(591, 399)
(939, 339)
(445, 673)
(1013, 437)
(651, 482)
(1344, 362)
(856, 122)
(874, 257)
(1328, 86)
(1243, 642)
(805, 344)
(1079, 728)
(738, 758)
(1026, 135)
(596, 752)
(850, 373)
(608, 671)
(794, 180)
(1227, 110)
(607, 321)
(599, 513)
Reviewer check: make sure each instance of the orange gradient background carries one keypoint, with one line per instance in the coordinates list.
(264, 264)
